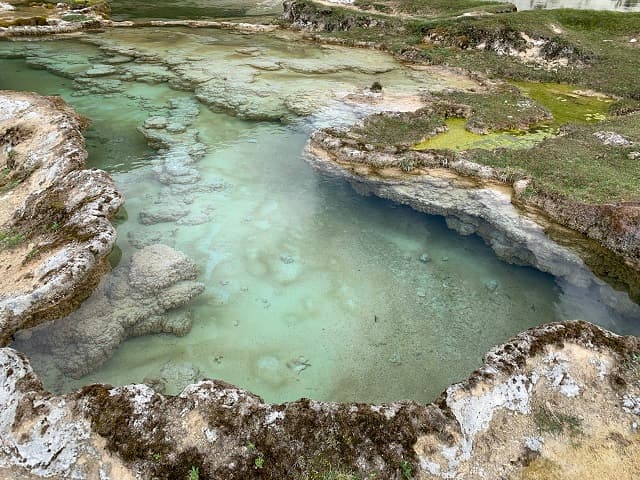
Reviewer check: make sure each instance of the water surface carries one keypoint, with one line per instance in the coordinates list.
(376, 302)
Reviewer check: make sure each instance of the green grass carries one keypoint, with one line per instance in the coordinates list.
(194, 473)
(10, 238)
(32, 254)
(503, 108)
(597, 42)
(548, 421)
(407, 470)
(432, 8)
(576, 164)
(399, 129)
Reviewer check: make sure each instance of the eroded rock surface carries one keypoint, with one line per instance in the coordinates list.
(556, 392)
(137, 298)
(474, 199)
(55, 232)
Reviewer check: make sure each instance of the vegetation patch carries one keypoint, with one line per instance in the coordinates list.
(399, 128)
(548, 421)
(596, 44)
(503, 108)
(434, 8)
(577, 164)
(11, 238)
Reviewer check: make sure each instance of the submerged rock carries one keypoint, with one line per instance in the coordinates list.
(173, 377)
(491, 285)
(101, 71)
(135, 299)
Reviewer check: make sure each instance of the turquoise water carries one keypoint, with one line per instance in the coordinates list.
(311, 289)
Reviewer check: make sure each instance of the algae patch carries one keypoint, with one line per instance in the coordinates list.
(567, 103)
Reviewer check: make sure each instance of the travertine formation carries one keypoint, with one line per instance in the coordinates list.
(140, 297)
(55, 232)
(555, 392)
(474, 199)
(559, 391)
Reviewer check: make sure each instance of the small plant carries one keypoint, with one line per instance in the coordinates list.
(528, 193)
(259, 462)
(407, 470)
(32, 254)
(194, 473)
(376, 86)
(156, 457)
(10, 238)
(407, 165)
(55, 226)
(12, 157)
(557, 422)
(251, 446)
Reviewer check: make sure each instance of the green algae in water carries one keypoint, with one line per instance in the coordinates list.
(458, 138)
(371, 320)
(567, 103)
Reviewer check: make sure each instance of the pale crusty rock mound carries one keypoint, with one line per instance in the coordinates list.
(558, 401)
(55, 232)
(137, 298)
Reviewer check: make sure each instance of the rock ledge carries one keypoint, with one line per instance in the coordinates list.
(55, 232)
(556, 392)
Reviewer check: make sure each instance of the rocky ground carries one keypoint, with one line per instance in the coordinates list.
(55, 232)
(561, 401)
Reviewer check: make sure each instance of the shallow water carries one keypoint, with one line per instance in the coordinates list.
(192, 9)
(295, 264)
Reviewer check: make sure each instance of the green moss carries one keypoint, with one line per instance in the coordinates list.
(508, 115)
(399, 129)
(566, 102)
(502, 108)
(11, 238)
(577, 164)
(555, 423)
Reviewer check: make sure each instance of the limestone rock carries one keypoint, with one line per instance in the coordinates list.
(137, 298)
(57, 210)
(488, 423)
(612, 139)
